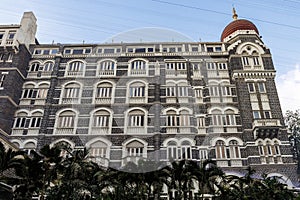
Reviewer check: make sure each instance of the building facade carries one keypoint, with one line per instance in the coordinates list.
(157, 101)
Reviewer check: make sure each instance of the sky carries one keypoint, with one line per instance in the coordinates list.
(100, 21)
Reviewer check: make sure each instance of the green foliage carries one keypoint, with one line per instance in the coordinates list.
(59, 173)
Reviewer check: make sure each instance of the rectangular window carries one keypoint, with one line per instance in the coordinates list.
(68, 51)
(251, 87)
(245, 61)
(201, 122)
(30, 93)
(172, 50)
(104, 92)
(2, 77)
(210, 49)
(38, 52)
(101, 121)
(110, 50)
(136, 120)
(267, 114)
(198, 93)
(256, 114)
(118, 50)
(165, 49)
(140, 50)
(211, 66)
(218, 49)
(222, 66)
(130, 50)
(203, 155)
(46, 52)
(195, 49)
(256, 60)
(71, 92)
(1, 36)
(214, 91)
(35, 122)
(150, 50)
(137, 91)
(1, 56)
(77, 51)
(182, 91)
(66, 122)
(20, 122)
(172, 120)
(261, 87)
(171, 91)
(87, 51)
(54, 51)
(99, 51)
(11, 35)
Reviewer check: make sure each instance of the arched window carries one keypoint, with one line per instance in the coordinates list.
(217, 119)
(36, 119)
(71, 93)
(28, 147)
(172, 118)
(137, 92)
(75, 68)
(229, 118)
(261, 148)
(34, 67)
(276, 148)
(48, 67)
(20, 121)
(107, 68)
(220, 150)
(42, 91)
(98, 153)
(234, 149)
(29, 91)
(138, 68)
(134, 151)
(136, 121)
(136, 118)
(66, 122)
(101, 122)
(104, 93)
(185, 150)
(172, 150)
(184, 118)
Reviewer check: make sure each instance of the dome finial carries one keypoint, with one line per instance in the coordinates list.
(234, 16)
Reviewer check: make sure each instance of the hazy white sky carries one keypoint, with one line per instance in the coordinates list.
(96, 21)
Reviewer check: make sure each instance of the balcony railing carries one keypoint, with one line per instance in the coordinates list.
(138, 72)
(137, 100)
(103, 100)
(136, 130)
(266, 122)
(106, 73)
(99, 130)
(67, 100)
(64, 131)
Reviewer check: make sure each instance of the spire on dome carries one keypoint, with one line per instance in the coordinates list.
(234, 16)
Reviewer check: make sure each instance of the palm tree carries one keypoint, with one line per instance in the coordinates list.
(207, 175)
(180, 178)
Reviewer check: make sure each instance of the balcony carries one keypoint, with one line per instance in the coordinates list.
(266, 122)
(172, 72)
(138, 72)
(175, 130)
(70, 100)
(64, 131)
(75, 73)
(136, 130)
(266, 128)
(106, 73)
(102, 100)
(99, 130)
(137, 100)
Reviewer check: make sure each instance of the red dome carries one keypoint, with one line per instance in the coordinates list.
(239, 24)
